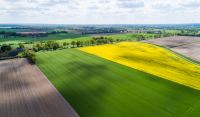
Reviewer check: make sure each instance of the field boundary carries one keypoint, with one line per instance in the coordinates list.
(181, 76)
(162, 78)
(58, 93)
(179, 54)
(186, 44)
(6, 58)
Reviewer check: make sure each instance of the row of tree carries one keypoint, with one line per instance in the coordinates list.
(160, 34)
(26, 53)
(53, 45)
(5, 34)
(189, 33)
(49, 45)
(8, 48)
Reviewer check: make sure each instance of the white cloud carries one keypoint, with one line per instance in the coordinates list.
(130, 3)
(99, 11)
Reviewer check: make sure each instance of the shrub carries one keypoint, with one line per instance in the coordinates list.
(5, 47)
(28, 54)
(21, 45)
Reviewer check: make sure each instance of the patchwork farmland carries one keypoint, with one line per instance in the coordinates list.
(99, 58)
(117, 75)
(96, 87)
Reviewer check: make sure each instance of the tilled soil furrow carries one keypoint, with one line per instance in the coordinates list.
(26, 92)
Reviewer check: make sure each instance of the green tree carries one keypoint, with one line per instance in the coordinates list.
(78, 43)
(28, 54)
(55, 45)
(5, 48)
(82, 43)
(73, 43)
(21, 45)
(140, 37)
(38, 46)
(87, 43)
(92, 42)
(46, 47)
(67, 44)
(110, 40)
(64, 44)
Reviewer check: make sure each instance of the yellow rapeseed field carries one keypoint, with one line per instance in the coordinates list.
(151, 59)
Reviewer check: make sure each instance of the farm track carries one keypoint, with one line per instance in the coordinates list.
(26, 92)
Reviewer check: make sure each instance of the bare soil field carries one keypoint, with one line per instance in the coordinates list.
(26, 92)
(188, 46)
(190, 50)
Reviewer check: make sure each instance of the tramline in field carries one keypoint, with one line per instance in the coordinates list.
(96, 87)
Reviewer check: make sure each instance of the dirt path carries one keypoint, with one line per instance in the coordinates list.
(26, 92)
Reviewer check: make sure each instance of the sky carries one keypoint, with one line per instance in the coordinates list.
(100, 11)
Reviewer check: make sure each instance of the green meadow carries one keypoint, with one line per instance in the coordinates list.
(130, 36)
(96, 87)
(65, 37)
(60, 36)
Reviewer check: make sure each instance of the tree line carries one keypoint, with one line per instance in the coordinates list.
(5, 34)
(53, 45)
(195, 33)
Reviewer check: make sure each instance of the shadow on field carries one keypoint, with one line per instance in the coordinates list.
(84, 87)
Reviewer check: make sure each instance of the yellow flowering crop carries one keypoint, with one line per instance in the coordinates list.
(151, 59)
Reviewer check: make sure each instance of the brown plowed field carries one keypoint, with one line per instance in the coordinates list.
(190, 50)
(26, 92)
(188, 46)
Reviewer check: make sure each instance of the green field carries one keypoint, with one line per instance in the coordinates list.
(96, 87)
(66, 37)
(130, 36)
(60, 36)
(173, 31)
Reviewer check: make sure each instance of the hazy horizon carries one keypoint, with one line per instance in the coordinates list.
(96, 24)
